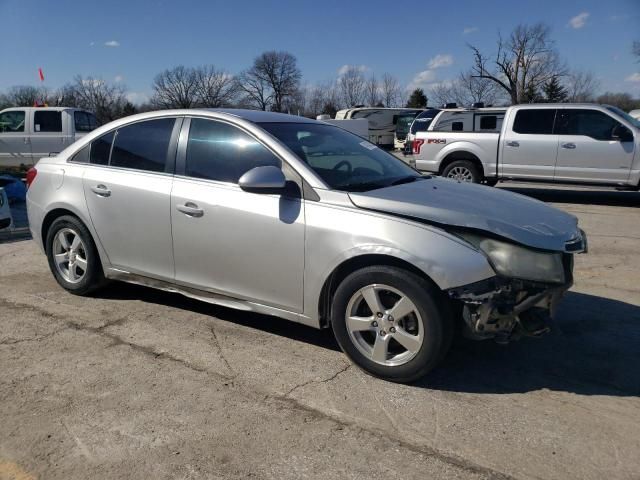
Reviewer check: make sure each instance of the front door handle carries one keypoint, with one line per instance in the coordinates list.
(101, 190)
(569, 146)
(190, 209)
(513, 143)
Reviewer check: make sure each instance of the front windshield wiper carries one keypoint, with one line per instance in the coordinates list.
(407, 179)
(361, 186)
(364, 186)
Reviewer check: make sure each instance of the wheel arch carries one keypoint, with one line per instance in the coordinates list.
(461, 155)
(51, 216)
(60, 210)
(350, 265)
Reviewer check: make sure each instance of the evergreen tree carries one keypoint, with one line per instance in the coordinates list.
(417, 99)
(553, 91)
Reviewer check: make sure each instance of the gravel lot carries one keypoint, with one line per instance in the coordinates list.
(137, 383)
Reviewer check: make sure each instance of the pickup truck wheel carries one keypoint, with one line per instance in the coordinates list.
(462, 171)
(391, 323)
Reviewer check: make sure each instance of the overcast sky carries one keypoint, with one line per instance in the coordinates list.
(420, 42)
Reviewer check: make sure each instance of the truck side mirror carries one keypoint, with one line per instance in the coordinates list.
(622, 134)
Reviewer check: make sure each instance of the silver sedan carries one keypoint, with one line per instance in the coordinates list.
(300, 219)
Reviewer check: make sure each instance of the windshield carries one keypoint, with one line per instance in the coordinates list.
(633, 121)
(421, 124)
(343, 160)
(404, 122)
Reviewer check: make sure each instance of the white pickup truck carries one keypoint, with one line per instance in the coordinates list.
(30, 133)
(564, 143)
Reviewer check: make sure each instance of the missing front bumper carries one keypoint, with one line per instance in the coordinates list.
(507, 309)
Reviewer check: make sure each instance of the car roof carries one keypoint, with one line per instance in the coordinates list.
(260, 116)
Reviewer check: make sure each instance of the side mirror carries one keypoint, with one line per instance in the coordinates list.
(622, 134)
(268, 179)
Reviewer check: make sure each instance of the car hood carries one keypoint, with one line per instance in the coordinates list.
(450, 203)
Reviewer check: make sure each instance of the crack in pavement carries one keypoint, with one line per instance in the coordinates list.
(326, 380)
(218, 348)
(37, 338)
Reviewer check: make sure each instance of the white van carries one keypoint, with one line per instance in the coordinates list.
(30, 133)
(382, 122)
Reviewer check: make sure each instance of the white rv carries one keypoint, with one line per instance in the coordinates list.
(382, 122)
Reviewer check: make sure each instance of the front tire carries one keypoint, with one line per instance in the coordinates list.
(391, 323)
(462, 171)
(73, 257)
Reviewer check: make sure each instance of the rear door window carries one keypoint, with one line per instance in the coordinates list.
(538, 121)
(143, 145)
(219, 151)
(589, 123)
(47, 121)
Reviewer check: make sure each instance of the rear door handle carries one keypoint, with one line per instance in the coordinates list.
(570, 146)
(101, 190)
(190, 209)
(513, 143)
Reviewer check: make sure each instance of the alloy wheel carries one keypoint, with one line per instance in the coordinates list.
(462, 174)
(384, 325)
(70, 255)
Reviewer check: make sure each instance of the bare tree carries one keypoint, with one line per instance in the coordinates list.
(175, 88)
(26, 96)
(255, 89)
(472, 89)
(372, 91)
(581, 86)
(352, 85)
(523, 62)
(213, 87)
(623, 101)
(444, 92)
(466, 90)
(273, 79)
(391, 91)
(94, 94)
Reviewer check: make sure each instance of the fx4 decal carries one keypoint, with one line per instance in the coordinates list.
(439, 141)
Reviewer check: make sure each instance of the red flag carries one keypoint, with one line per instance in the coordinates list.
(41, 74)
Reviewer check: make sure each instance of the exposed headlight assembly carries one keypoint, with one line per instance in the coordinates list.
(515, 261)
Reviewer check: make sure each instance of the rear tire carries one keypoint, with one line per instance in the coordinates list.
(408, 334)
(73, 256)
(462, 171)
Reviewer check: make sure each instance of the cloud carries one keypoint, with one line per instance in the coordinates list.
(634, 77)
(112, 43)
(92, 44)
(92, 82)
(439, 61)
(579, 20)
(616, 18)
(137, 97)
(118, 78)
(344, 68)
(422, 80)
(469, 30)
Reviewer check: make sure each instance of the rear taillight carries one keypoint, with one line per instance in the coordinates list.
(31, 176)
(417, 143)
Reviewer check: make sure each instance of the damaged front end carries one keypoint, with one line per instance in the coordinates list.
(507, 309)
(521, 299)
